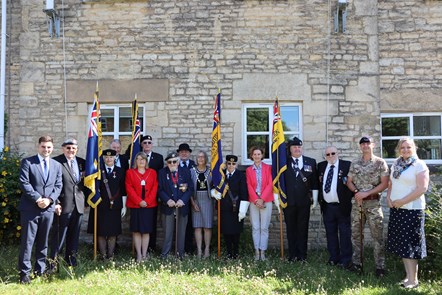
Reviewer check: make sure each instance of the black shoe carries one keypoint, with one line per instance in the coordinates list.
(25, 279)
(380, 273)
(332, 263)
(352, 267)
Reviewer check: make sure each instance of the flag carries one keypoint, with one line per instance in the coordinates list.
(93, 154)
(136, 132)
(279, 156)
(218, 177)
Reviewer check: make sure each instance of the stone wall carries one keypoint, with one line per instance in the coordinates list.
(251, 50)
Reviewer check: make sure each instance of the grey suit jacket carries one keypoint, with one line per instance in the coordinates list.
(34, 185)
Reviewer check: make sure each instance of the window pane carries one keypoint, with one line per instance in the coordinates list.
(290, 118)
(258, 119)
(388, 148)
(107, 120)
(125, 119)
(395, 126)
(426, 126)
(429, 149)
(258, 140)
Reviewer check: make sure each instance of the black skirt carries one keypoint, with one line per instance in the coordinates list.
(108, 221)
(406, 235)
(142, 220)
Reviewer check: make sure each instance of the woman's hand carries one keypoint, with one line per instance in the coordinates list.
(260, 203)
(195, 206)
(143, 204)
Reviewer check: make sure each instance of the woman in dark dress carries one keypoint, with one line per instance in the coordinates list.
(141, 187)
(231, 227)
(109, 210)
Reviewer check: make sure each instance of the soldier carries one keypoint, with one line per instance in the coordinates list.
(367, 179)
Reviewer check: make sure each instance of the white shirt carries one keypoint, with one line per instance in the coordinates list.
(332, 195)
(42, 164)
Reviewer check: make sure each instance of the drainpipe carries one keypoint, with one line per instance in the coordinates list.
(2, 76)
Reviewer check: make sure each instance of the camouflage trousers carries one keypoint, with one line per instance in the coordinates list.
(371, 213)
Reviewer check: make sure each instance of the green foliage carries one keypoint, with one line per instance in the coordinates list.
(433, 231)
(9, 197)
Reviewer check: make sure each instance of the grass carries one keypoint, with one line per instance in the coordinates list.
(209, 276)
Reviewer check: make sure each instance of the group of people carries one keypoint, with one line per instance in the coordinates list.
(53, 202)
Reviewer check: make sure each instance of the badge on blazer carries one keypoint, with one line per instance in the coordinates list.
(308, 168)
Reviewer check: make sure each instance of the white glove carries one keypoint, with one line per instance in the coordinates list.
(315, 198)
(123, 210)
(215, 194)
(243, 207)
(276, 201)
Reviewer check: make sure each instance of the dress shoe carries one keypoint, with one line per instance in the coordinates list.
(25, 279)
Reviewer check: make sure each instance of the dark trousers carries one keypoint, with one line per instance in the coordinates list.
(153, 235)
(66, 228)
(297, 219)
(35, 229)
(338, 232)
(232, 245)
(190, 233)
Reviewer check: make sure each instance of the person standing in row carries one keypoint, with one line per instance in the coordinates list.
(260, 190)
(335, 200)
(121, 160)
(112, 206)
(175, 188)
(202, 204)
(69, 208)
(368, 178)
(409, 180)
(141, 188)
(302, 186)
(41, 183)
(231, 226)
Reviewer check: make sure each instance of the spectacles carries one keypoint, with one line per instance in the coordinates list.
(330, 154)
(172, 162)
(147, 142)
(231, 164)
(71, 148)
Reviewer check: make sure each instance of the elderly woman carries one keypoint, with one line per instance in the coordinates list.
(202, 204)
(141, 188)
(260, 189)
(408, 182)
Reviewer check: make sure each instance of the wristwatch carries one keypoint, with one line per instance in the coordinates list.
(356, 190)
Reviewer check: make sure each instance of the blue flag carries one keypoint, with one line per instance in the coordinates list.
(279, 156)
(93, 155)
(136, 132)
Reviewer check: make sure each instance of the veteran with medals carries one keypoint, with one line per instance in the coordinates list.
(141, 188)
(112, 206)
(231, 226)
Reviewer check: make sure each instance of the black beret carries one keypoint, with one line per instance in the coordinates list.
(70, 141)
(172, 155)
(232, 158)
(295, 141)
(148, 137)
(365, 139)
(109, 152)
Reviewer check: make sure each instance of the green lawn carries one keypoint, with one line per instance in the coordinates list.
(210, 276)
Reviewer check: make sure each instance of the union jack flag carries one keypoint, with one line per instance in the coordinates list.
(136, 132)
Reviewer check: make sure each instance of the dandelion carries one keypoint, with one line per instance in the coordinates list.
(4, 173)
(3, 204)
(6, 149)
(18, 227)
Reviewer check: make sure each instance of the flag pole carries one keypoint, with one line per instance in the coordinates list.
(281, 233)
(219, 228)
(95, 233)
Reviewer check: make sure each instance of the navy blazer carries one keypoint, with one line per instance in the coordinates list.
(344, 193)
(156, 162)
(167, 190)
(34, 185)
(73, 192)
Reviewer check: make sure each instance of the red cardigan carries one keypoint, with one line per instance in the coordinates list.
(266, 183)
(133, 188)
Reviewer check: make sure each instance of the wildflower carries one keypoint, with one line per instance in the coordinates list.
(3, 204)
(4, 173)
(6, 220)
(6, 149)
(18, 227)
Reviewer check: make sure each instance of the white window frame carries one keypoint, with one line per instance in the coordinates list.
(410, 116)
(116, 107)
(244, 152)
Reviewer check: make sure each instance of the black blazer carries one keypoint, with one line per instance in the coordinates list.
(191, 164)
(344, 194)
(156, 162)
(238, 188)
(298, 191)
(117, 187)
(124, 162)
(73, 192)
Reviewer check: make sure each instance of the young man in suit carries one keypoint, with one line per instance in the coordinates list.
(69, 207)
(41, 184)
(335, 200)
(302, 187)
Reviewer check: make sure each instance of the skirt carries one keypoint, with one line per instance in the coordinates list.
(108, 221)
(406, 235)
(142, 220)
(204, 218)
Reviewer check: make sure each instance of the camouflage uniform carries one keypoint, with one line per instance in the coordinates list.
(366, 176)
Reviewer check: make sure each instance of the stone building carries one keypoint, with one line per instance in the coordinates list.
(381, 75)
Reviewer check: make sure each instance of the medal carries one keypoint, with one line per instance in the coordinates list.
(143, 182)
(111, 204)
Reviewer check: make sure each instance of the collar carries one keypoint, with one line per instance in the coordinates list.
(41, 158)
(112, 167)
(300, 159)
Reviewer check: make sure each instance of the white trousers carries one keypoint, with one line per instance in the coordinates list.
(260, 219)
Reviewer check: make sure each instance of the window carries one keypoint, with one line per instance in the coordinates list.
(424, 128)
(116, 122)
(258, 124)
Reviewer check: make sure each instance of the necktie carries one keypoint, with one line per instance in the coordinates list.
(229, 175)
(329, 179)
(109, 170)
(296, 166)
(73, 170)
(45, 168)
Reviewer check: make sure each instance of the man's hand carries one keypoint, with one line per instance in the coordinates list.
(179, 203)
(171, 203)
(58, 209)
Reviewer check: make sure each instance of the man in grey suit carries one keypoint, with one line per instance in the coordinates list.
(69, 207)
(41, 184)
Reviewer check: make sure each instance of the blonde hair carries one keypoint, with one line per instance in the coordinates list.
(143, 156)
(401, 141)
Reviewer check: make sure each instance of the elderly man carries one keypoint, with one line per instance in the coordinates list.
(70, 205)
(368, 178)
(121, 160)
(175, 187)
(301, 181)
(335, 199)
(41, 183)
(184, 152)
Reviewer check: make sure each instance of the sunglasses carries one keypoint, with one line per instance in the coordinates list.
(172, 162)
(147, 142)
(71, 148)
(330, 154)
(231, 164)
